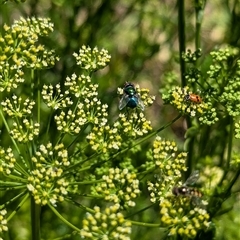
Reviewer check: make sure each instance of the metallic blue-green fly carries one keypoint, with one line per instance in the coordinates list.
(130, 98)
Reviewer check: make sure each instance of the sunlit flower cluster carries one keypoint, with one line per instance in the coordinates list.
(193, 105)
(45, 182)
(54, 98)
(3, 221)
(104, 138)
(81, 86)
(79, 103)
(92, 59)
(19, 49)
(25, 130)
(145, 95)
(90, 111)
(109, 224)
(230, 96)
(119, 186)
(181, 219)
(168, 164)
(7, 161)
(17, 107)
(133, 125)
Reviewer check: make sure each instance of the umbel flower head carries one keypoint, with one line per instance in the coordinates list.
(181, 219)
(46, 182)
(192, 104)
(119, 186)
(92, 59)
(19, 49)
(168, 165)
(106, 225)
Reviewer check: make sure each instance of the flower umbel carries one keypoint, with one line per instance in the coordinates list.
(181, 219)
(119, 186)
(168, 165)
(109, 224)
(92, 59)
(20, 49)
(193, 105)
(45, 182)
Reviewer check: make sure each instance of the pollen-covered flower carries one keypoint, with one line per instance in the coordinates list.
(133, 125)
(182, 219)
(45, 181)
(92, 59)
(17, 107)
(104, 138)
(193, 105)
(120, 187)
(7, 161)
(145, 96)
(108, 224)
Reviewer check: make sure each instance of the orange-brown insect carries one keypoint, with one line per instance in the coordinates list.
(193, 98)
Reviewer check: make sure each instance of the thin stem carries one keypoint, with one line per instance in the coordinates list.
(19, 205)
(63, 219)
(8, 130)
(12, 200)
(35, 219)
(181, 39)
(157, 225)
(199, 18)
(38, 100)
(230, 140)
(139, 211)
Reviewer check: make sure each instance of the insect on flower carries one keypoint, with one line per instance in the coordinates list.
(130, 98)
(193, 98)
(185, 190)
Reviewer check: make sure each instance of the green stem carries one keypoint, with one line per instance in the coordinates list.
(35, 219)
(86, 209)
(148, 136)
(153, 225)
(230, 141)
(181, 39)
(19, 205)
(87, 182)
(8, 130)
(63, 219)
(199, 17)
(38, 100)
(14, 199)
(139, 211)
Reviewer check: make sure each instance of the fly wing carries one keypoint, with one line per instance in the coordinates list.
(123, 102)
(140, 103)
(192, 179)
